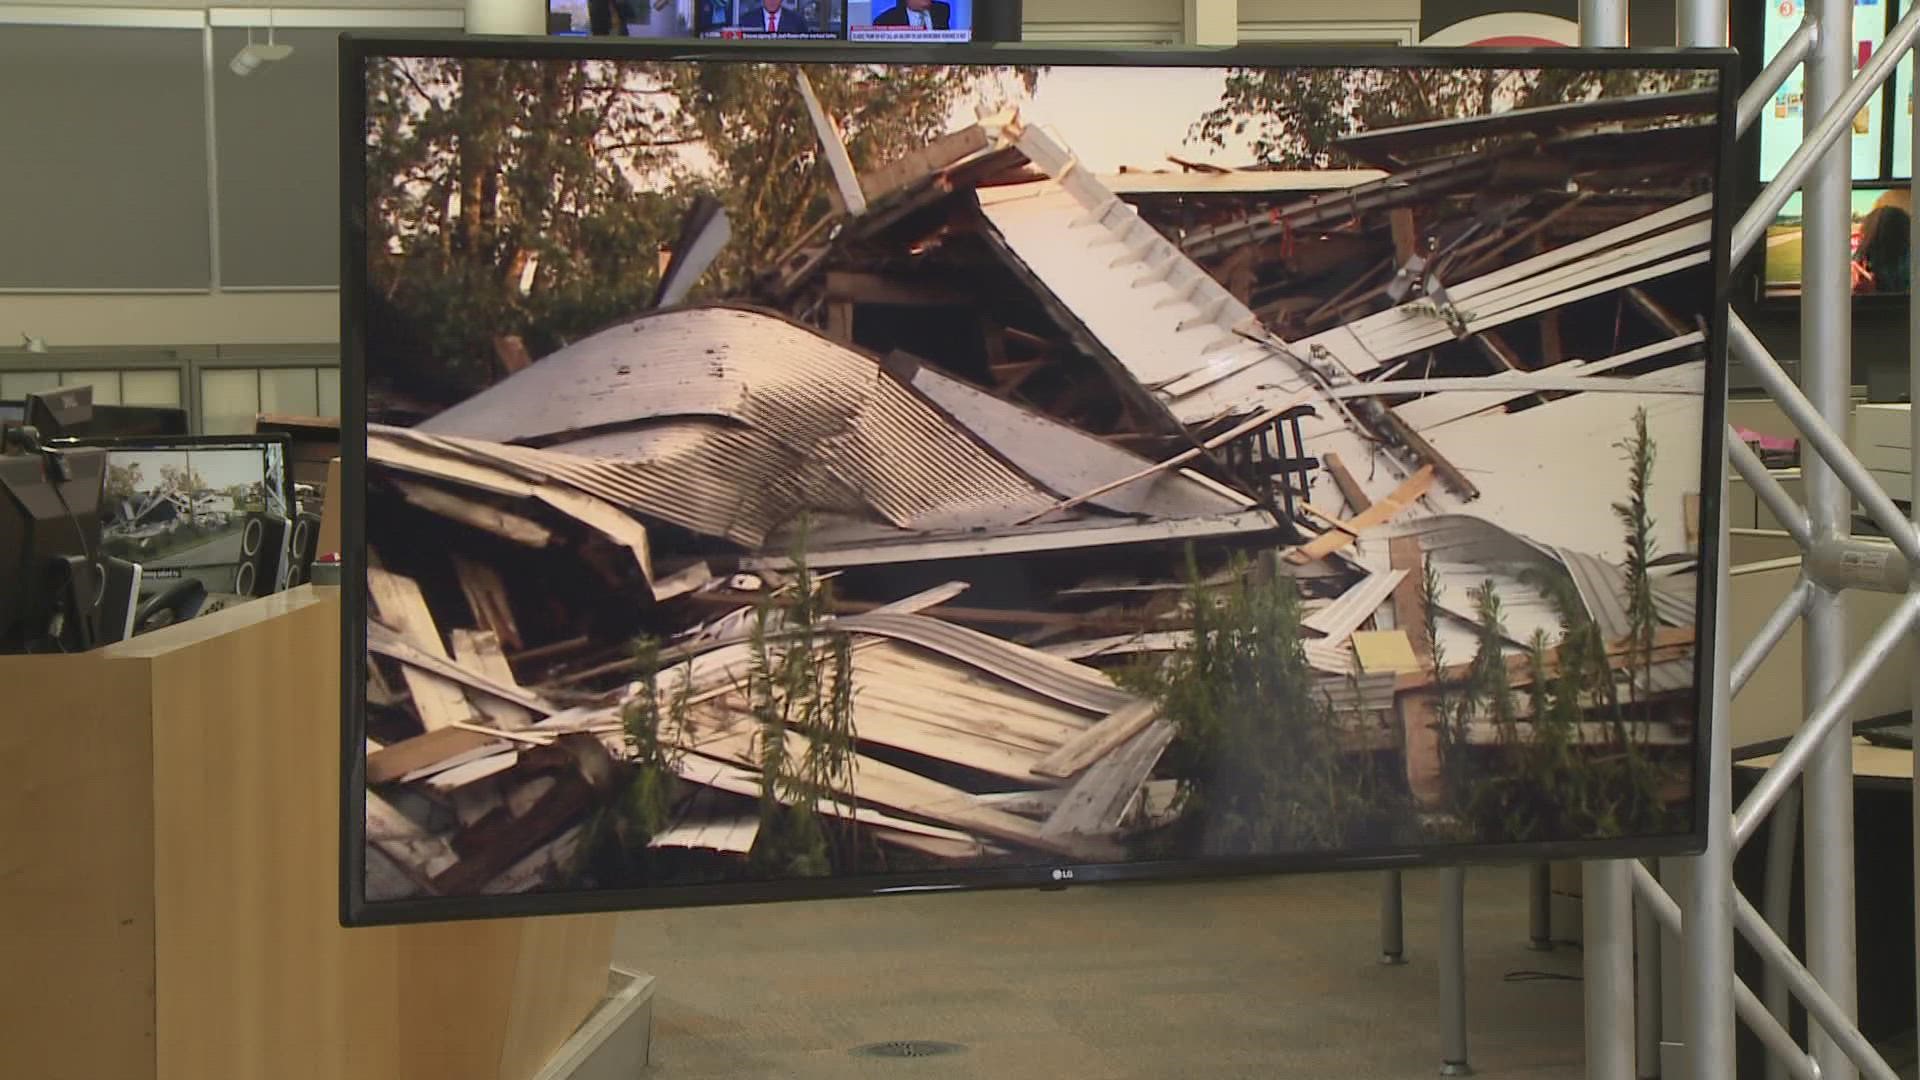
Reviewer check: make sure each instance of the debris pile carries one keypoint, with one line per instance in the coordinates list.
(993, 435)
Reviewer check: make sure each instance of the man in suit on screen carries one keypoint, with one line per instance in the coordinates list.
(918, 14)
(771, 18)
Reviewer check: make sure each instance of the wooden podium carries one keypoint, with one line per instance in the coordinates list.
(169, 840)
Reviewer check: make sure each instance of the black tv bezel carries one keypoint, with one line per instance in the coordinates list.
(357, 50)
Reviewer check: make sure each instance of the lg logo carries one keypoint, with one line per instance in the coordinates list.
(1063, 875)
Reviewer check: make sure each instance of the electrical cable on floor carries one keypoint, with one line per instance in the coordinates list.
(1538, 976)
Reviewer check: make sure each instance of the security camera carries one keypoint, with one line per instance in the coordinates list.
(252, 55)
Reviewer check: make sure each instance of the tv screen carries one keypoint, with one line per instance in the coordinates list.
(774, 479)
(780, 20)
(622, 18)
(910, 21)
(180, 506)
(1879, 243)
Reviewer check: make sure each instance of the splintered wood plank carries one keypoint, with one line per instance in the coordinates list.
(504, 524)
(1379, 513)
(397, 601)
(479, 650)
(908, 792)
(934, 156)
(410, 755)
(487, 598)
(1419, 733)
(1350, 489)
(385, 642)
(1098, 741)
(496, 843)
(930, 839)
(1095, 804)
(1405, 240)
(1388, 651)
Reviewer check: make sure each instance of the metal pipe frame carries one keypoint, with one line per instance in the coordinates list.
(1606, 903)
(1647, 1027)
(1453, 973)
(1393, 939)
(1819, 756)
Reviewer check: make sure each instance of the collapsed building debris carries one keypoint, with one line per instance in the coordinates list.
(1001, 401)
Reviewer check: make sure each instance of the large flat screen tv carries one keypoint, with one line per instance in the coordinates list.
(795, 474)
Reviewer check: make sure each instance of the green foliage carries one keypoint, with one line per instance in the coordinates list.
(1637, 519)
(615, 844)
(799, 689)
(1546, 782)
(1257, 750)
(1294, 116)
(512, 197)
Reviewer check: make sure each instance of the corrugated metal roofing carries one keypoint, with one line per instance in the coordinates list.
(1063, 680)
(1341, 618)
(1604, 588)
(747, 419)
(1065, 460)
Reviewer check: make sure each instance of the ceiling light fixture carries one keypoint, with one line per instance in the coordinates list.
(252, 54)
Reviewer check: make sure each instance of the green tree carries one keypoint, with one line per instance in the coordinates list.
(1294, 116)
(532, 199)
(773, 177)
(123, 481)
(1259, 755)
(511, 197)
(1636, 517)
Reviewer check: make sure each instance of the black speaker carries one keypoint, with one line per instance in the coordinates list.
(302, 549)
(263, 548)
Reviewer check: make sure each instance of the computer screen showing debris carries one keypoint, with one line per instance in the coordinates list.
(622, 18)
(889, 472)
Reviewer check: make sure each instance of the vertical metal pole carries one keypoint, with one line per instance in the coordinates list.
(1606, 903)
(1707, 989)
(1393, 941)
(1826, 339)
(1453, 972)
(1606, 908)
(1540, 908)
(1646, 993)
(1783, 836)
(1913, 435)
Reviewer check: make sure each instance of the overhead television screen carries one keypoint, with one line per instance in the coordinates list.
(910, 21)
(833, 477)
(622, 18)
(783, 20)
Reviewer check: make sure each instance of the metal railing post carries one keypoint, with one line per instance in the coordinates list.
(1826, 339)
(1453, 972)
(1708, 984)
(1393, 938)
(1606, 902)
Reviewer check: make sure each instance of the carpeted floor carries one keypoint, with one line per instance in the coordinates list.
(1258, 978)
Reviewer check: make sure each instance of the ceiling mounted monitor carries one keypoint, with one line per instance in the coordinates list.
(914, 469)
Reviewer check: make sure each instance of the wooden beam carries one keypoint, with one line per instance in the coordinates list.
(1654, 312)
(931, 158)
(863, 288)
(487, 598)
(398, 759)
(488, 519)
(398, 603)
(1097, 741)
(1379, 513)
(1409, 610)
(1350, 489)
(1405, 240)
(512, 353)
(1496, 349)
(479, 651)
(1427, 452)
(840, 320)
